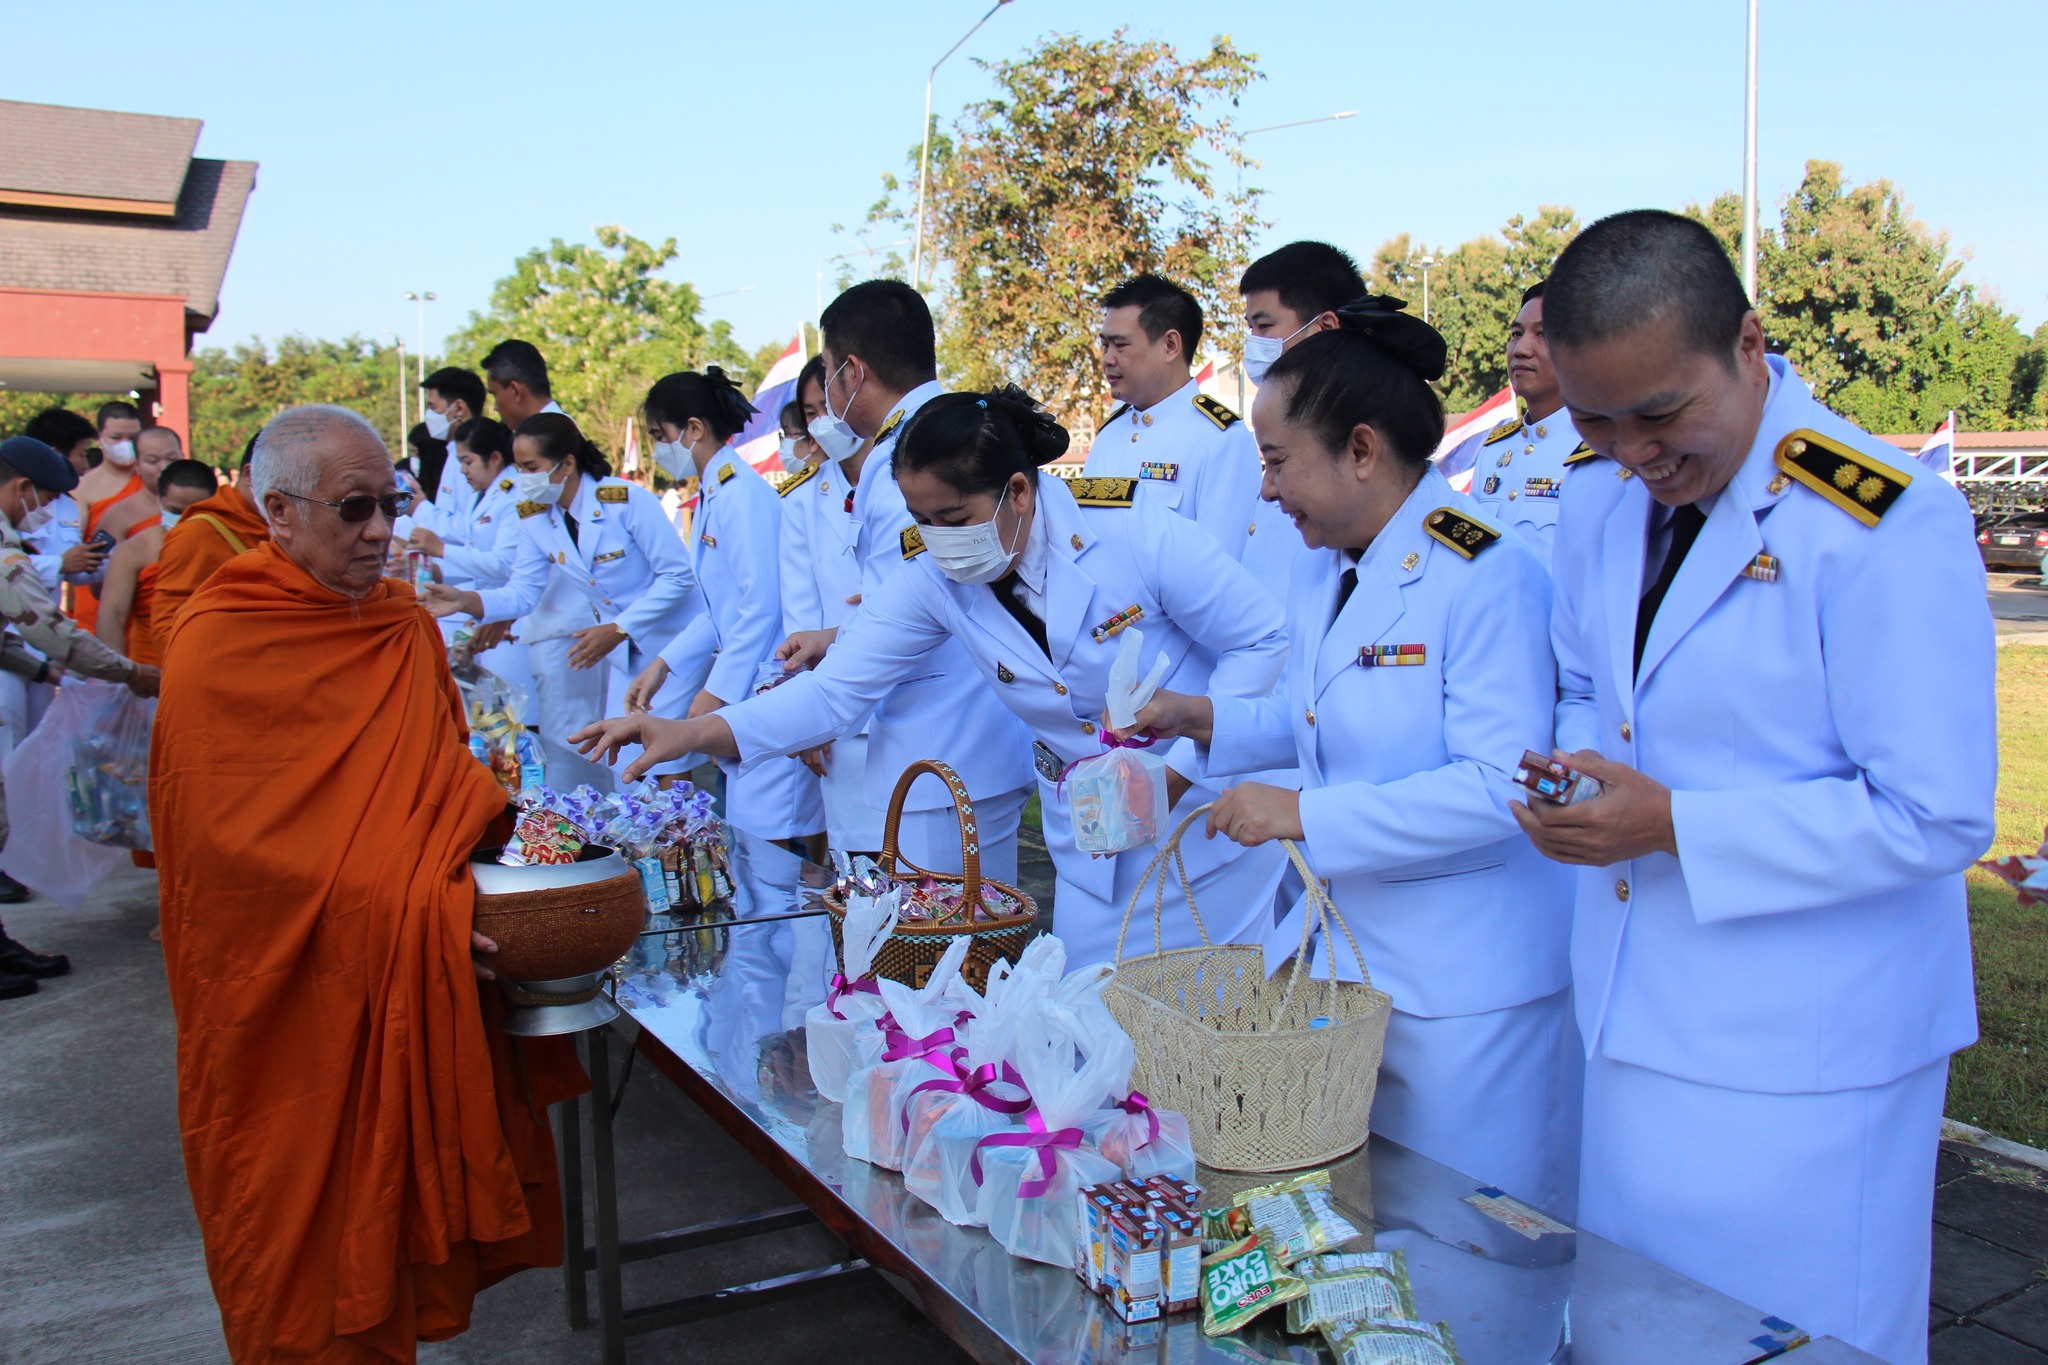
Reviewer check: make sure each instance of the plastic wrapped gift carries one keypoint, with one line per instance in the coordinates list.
(917, 1027)
(1118, 799)
(947, 1116)
(853, 1002)
(108, 780)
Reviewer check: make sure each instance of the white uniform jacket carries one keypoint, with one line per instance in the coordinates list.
(626, 565)
(51, 540)
(1405, 768)
(483, 558)
(820, 549)
(454, 500)
(1190, 454)
(1197, 609)
(1519, 473)
(733, 551)
(1816, 690)
(944, 711)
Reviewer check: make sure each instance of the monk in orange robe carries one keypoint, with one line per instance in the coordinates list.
(207, 536)
(365, 1148)
(128, 585)
(128, 513)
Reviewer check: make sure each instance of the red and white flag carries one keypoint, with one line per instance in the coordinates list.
(1457, 466)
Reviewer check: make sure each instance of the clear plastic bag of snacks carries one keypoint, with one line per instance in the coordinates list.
(917, 1027)
(1118, 799)
(498, 736)
(108, 781)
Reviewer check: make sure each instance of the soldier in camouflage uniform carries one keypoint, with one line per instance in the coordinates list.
(31, 477)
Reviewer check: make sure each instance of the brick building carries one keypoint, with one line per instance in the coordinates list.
(114, 240)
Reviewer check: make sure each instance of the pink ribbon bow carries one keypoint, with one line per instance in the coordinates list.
(902, 1045)
(974, 1085)
(1045, 1144)
(841, 988)
(1135, 1104)
(1139, 741)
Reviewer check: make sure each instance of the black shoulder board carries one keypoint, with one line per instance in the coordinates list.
(1581, 455)
(1121, 409)
(1862, 487)
(1503, 431)
(612, 492)
(1101, 492)
(726, 473)
(799, 479)
(1460, 532)
(895, 420)
(1223, 417)
(532, 509)
(913, 542)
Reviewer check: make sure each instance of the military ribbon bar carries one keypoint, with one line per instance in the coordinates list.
(1165, 473)
(1115, 624)
(1392, 656)
(1764, 569)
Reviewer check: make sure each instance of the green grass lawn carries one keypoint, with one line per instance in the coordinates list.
(2002, 1083)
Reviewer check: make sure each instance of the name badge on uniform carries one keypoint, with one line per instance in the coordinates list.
(710, 542)
(1165, 473)
(1115, 624)
(608, 556)
(1045, 761)
(1492, 484)
(1764, 569)
(1540, 488)
(1392, 656)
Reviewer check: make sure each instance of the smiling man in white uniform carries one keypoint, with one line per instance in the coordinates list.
(1779, 641)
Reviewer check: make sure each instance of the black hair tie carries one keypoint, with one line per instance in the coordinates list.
(1401, 336)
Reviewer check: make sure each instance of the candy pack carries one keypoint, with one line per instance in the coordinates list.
(1553, 780)
(498, 737)
(1243, 1279)
(658, 832)
(924, 900)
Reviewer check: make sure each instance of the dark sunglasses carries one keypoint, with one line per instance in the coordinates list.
(357, 506)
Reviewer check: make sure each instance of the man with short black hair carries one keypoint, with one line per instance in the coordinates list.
(452, 395)
(517, 377)
(58, 556)
(1782, 640)
(1185, 450)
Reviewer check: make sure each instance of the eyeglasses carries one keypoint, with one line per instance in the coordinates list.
(356, 507)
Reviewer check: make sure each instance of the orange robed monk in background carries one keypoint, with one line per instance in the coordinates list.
(364, 1149)
(207, 536)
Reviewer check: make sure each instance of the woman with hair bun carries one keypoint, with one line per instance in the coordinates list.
(1036, 579)
(596, 565)
(1420, 670)
(733, 547)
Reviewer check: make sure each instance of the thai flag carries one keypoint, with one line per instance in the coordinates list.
(1459, 450)
(1938, 452)
(757, 440)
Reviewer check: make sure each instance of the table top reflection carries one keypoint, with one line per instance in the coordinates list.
(724, 995)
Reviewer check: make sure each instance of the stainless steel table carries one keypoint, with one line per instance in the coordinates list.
(720, 1015)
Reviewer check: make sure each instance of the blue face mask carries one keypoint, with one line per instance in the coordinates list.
(170, 519)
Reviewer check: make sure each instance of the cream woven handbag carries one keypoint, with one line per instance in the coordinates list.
(1270, 1078)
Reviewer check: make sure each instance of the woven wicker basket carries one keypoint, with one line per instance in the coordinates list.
(1263, 1086)
(914, 949)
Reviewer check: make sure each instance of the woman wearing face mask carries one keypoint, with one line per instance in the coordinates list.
(717, 657)
(598, 575)
(1036, 582)
(482, 557)
(1420, 669)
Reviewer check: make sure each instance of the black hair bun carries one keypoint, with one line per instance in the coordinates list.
(1402, 336)
(1043, 435)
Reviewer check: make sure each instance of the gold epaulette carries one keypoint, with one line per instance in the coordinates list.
(1103, 492)
(1503, 431)
(504, 485)
(1581, 455)
(913, 542)
(1862, 487)
(895, 421)
(532, 509)
(799, 479)
(1460, 532)
(725, 474)
(1222, 416)
(613, 492)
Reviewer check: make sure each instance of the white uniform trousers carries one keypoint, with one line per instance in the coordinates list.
(931, 838)
(851, 824)
(776, 798)
(1816, 1208)
(1495, 1095)
(567, 699)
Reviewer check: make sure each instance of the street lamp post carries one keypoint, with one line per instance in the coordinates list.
(1749, 166)
(1426, 264)
(1274, 128)
(422, 299)
(924, 156)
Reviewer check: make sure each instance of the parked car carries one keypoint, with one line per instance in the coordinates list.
(2014, 541)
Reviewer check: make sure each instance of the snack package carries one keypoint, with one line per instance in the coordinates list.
(543, 836)
(1384, 1341)
(498, 737)
(1349, 1296)
(1553, 780)
(771, 675)
(854, 1002)
(918, 1027)
(1242, 1280)
(1297, 1214)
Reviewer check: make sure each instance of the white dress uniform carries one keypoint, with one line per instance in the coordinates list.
(482, 558)
(1769, 1015)
(733, 551)
(1189, 453)
(624, 565)
(1518, 475)
(1095, 567)
(945, 711)
(52, 539)
(1405, 782)
(820, 577)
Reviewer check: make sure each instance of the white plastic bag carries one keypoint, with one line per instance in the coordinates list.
(854, 1001)
(42, 852)
(1118, 799)
(872, 1122)
(946, 1117)
(108, 784)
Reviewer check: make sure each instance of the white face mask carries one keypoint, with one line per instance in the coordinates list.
(121, 453)
(676, 460)
(972, 554)
(838, 440)
(539, 487)
(38, 518)
(785, 448)
(1261, 352)
(437, 424)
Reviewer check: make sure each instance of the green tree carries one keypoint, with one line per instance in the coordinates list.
(1094, 161)
(608, 324)
(235, 391)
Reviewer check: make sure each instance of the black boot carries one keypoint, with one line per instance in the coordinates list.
(14, 987)
(12, 892)
(16, 960)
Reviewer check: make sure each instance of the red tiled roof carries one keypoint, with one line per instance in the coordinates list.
(94, 153)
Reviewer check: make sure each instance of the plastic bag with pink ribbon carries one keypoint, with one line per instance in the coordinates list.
(917, 1038)
(1118, 799)
(853, 1001)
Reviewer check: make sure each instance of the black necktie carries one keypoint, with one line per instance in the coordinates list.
(570, 522)
(1685, 529)
(1347, 583)
(1005, 589)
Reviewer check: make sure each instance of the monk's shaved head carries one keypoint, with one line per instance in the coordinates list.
(315, 467)
(289, 451)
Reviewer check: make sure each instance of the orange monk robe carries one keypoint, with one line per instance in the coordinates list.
(85, 603)
(364, 1148)
(212, 531)
(141, 634)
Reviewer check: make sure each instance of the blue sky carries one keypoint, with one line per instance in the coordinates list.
(424, 147)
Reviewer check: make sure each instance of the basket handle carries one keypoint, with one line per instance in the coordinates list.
(970, 842)
(1167, 846)
(1325, 911)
